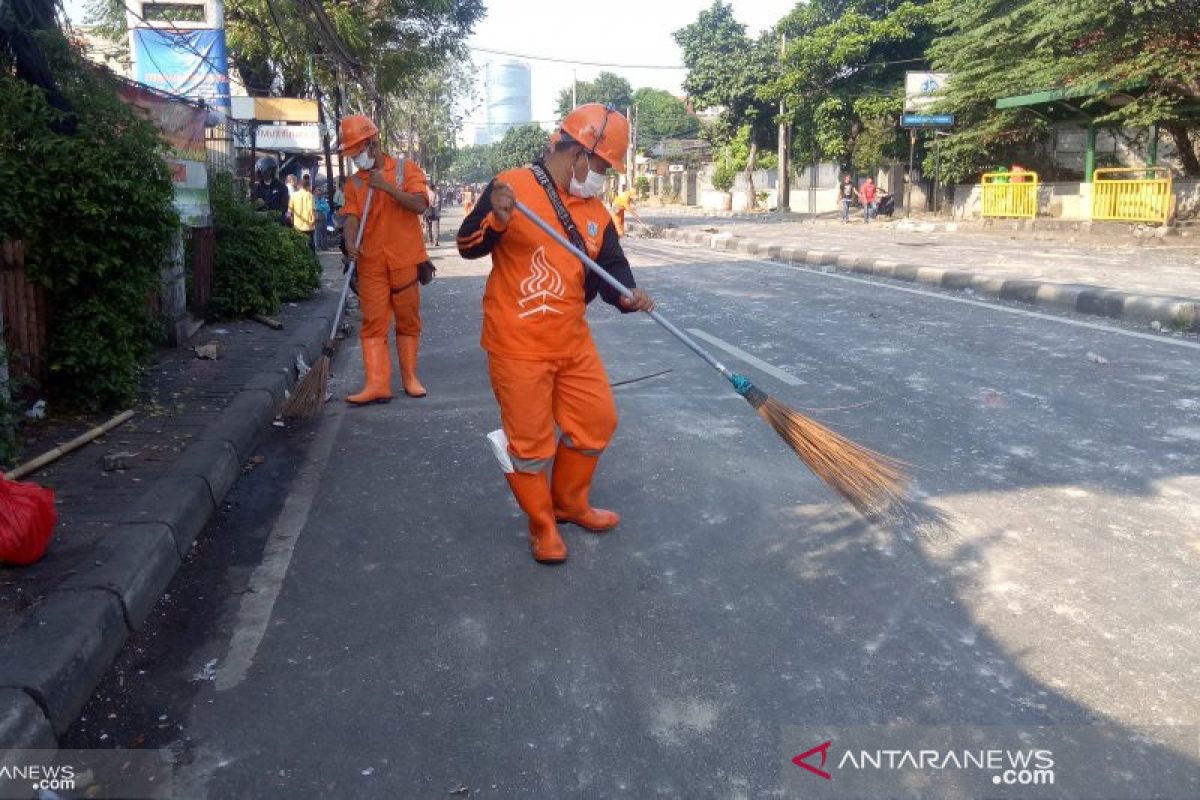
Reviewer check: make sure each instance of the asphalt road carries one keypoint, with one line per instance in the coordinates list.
(364, 619)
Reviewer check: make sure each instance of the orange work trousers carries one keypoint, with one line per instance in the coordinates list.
(535, 396)
(381, 303)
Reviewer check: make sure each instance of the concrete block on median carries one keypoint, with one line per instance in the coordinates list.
(1170, 311)
(987, 286)
(1101, 302)
(957, 279)
(771, 251)
(931, 275)
(846, 262)
(60, 653)
(747, 246)
(906, 272)
(214, 460)
(136, 563)
(816, 257)
(791, 254)
(243, 421)
(1059, 295)
(23, 726)
(181, 502)
(883, 268)
(1020, 290)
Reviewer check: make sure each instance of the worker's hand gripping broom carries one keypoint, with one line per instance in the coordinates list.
(869, 481)
(309, 397)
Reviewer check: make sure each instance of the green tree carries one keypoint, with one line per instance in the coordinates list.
(472, 164)
(728, 69)
(520, 146)
(96, 214)
(1143, 57)
(662, 115)
(608, 88)
(843, 75)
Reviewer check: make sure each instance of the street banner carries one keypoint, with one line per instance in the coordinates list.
(182, 125)
(191, 63)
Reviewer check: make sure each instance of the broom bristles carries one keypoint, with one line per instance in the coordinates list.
(871, 482)
(309, 397)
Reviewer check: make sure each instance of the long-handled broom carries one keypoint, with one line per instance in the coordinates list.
(309, 397)
(871, 482)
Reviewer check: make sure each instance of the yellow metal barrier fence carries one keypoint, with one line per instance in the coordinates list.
(1010, 194)
(1132, 194)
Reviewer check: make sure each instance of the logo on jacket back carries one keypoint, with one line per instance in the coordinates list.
(593, 230)
(543, 286)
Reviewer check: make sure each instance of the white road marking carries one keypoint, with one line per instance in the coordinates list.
(254, 613)
(879, 283)
(754, 361)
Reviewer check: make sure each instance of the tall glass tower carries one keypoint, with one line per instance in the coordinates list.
(506, 85)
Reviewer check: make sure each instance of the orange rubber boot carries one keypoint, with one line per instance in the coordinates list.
(407, 348)
(377, 360)
(573, 472)
(532, 491)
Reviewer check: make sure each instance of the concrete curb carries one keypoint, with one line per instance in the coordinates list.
(51, 664)
(1182, 313)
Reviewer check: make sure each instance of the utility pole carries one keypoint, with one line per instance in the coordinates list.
(574, 96)
(631, 155)
(912, 149)
(784, 201)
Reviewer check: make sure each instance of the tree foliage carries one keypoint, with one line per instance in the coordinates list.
(471, 164)
(608, 88)
(662, 115)
(520, 146)
(843, 74)
(729, 70)
(1143, 57)
(95, 211)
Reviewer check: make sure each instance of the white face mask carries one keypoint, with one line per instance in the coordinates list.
(363, 160)
(592, 186)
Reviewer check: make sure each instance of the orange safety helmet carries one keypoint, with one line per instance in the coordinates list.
(355, 130)
(601, 130)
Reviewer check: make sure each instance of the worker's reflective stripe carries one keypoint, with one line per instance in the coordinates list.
(566, 440)
(529, 464)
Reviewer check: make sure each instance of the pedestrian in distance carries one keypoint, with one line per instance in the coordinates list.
(389, 258)
(846, 195)
(302, 209)
(433, 213)
(270, 193)
(545, 371)
(867, 194)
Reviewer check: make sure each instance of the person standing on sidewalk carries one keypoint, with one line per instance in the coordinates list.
(432, 215)
(846, 195)
(392, 248)
(867, 194)
(544, 367)
(303, 211)
(621, 204)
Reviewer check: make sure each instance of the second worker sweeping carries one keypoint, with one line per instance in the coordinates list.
(544, 367)
(393, 247)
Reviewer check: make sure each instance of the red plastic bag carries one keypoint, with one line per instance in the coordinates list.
(27, 517)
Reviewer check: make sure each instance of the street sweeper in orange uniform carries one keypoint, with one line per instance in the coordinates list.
(544, 367)
(393, 246)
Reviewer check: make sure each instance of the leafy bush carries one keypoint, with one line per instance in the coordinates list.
(723, 178)
(95, 209)
(258, 261)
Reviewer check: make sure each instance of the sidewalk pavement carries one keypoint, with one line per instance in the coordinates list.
(1145, 280)
(123, 533)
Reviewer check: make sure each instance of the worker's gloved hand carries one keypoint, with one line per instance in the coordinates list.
(639, 302)
(503, 202)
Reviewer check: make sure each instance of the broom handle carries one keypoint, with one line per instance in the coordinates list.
(362, 226)
(600, 271)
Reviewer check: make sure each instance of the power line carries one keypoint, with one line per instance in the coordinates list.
(529, 57)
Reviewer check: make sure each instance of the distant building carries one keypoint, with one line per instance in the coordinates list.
(507, 97)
